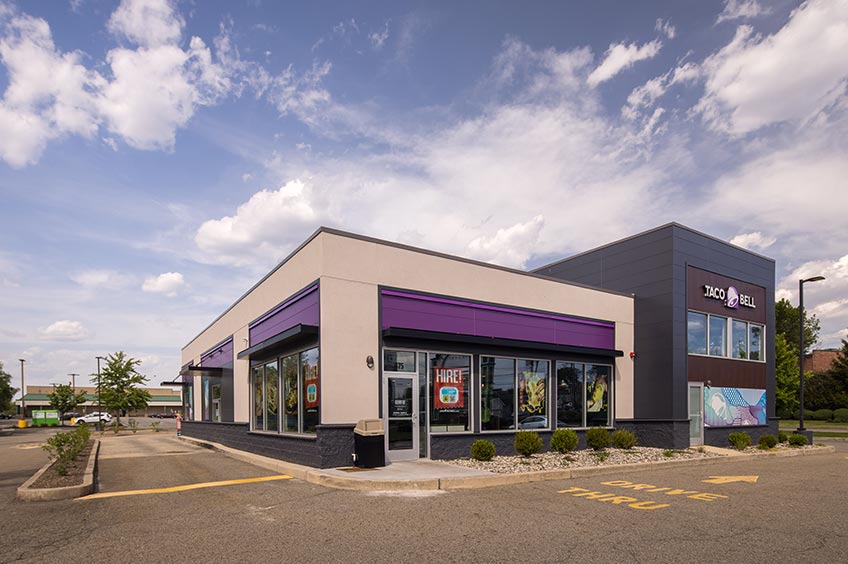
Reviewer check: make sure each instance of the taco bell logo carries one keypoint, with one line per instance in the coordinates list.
(732, 298)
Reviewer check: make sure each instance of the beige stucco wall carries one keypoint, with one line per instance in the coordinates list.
(354, 269)
(350, 271)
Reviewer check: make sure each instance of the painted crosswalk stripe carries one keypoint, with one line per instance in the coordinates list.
(186, 487)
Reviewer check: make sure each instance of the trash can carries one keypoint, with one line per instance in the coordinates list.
(368, 443)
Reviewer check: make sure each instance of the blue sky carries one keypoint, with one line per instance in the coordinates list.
(158, 157)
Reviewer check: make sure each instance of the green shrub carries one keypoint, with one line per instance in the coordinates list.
(782, 436)
(155, 425)
(840, 415)
(669, 453)
(766, 442)
(598, 438)
(115, 426)
(796, 439)
(601, 455)
(527, 443)
(482, 450)
(821, 415)
(133, 425)
(64, 447)
(564, 440)
(739, 440)
(624, 439)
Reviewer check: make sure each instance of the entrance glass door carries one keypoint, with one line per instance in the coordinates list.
(696, 414)
(401, 398)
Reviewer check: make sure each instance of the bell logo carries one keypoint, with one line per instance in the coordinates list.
(732, 298)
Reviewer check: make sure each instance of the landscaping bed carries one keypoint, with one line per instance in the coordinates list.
(51, 478)
(580, 459)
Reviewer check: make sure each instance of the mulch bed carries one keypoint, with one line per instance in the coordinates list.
(76, 470)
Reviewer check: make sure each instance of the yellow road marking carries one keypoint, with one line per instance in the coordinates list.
(731, 479)
(186, 487)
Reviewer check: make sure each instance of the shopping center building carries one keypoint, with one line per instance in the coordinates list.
(446, 350)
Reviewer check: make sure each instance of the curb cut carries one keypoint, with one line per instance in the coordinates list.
(28, 493)
(321, 478)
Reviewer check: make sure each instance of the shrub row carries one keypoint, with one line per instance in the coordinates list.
(838, 415)
(742, 440)
(527, 443)
(64, 447)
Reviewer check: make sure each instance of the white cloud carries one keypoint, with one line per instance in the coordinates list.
(152, 91)
(64, 330)
(148, 23)
(753, 240)
(742, 9)
(48, 93)
(510, 246)
(665, 27)
(168, 283)
(826, 299)
(620, 57)
(792, 75)
(107, 279)
(378, 38)
(263, 229)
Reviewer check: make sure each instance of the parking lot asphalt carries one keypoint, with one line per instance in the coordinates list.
(790, 512)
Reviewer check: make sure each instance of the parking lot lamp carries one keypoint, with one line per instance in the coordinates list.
(23, 391)
(99, 420)
(801, 340)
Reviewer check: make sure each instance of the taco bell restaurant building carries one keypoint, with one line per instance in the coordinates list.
(446, 351)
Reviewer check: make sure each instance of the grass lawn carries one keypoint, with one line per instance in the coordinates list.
(792, 424)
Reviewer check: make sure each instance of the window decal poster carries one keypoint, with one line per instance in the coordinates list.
(449, 388)
(531, 392)
(730, 407)
(310, 384)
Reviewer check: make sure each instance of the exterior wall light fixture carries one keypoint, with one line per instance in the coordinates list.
(369, 362)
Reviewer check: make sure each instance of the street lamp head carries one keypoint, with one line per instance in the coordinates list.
(813, 279)
(22, 360)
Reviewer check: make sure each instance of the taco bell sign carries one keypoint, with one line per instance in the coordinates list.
(730, 296)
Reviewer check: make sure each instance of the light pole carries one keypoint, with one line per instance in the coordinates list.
(801, 340)
(99, 412)
(23, 391)
(73, 381)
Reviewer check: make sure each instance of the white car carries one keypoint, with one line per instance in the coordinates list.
(93, 418)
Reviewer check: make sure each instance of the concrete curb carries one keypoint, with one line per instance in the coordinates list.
(322, 478)
(28, 493)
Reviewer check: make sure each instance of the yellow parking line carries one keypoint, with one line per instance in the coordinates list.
(186, 487)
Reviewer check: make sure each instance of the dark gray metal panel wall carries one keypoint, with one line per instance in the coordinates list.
(653, 267)
(642, 266)
(694, 249)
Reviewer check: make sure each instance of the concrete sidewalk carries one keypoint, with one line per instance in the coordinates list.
(440, 475)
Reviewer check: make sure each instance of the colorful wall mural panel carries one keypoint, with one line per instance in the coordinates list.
(730, 407)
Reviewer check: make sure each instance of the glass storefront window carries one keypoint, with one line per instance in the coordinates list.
(598, 380)
(450, 377)
(756, 342)
(290, 399)
(569, 394)
(532, 394)
(258, 404)
(696, 333)
(272, 398)
(309, 387)
(497, 400)
(718, 336)
(399, 361)
(739, 339)
(287, 401)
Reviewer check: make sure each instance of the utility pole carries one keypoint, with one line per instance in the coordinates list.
(23, 390)
(99, 409)
(73, 381)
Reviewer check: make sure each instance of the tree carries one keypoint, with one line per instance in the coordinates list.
(7, 392)
(786, 318)
(839, 368)
(786, 379)
(65, 399)
(118, 385)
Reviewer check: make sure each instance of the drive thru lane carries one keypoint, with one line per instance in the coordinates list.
(791, 513)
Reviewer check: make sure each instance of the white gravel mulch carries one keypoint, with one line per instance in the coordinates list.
(578, 459)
